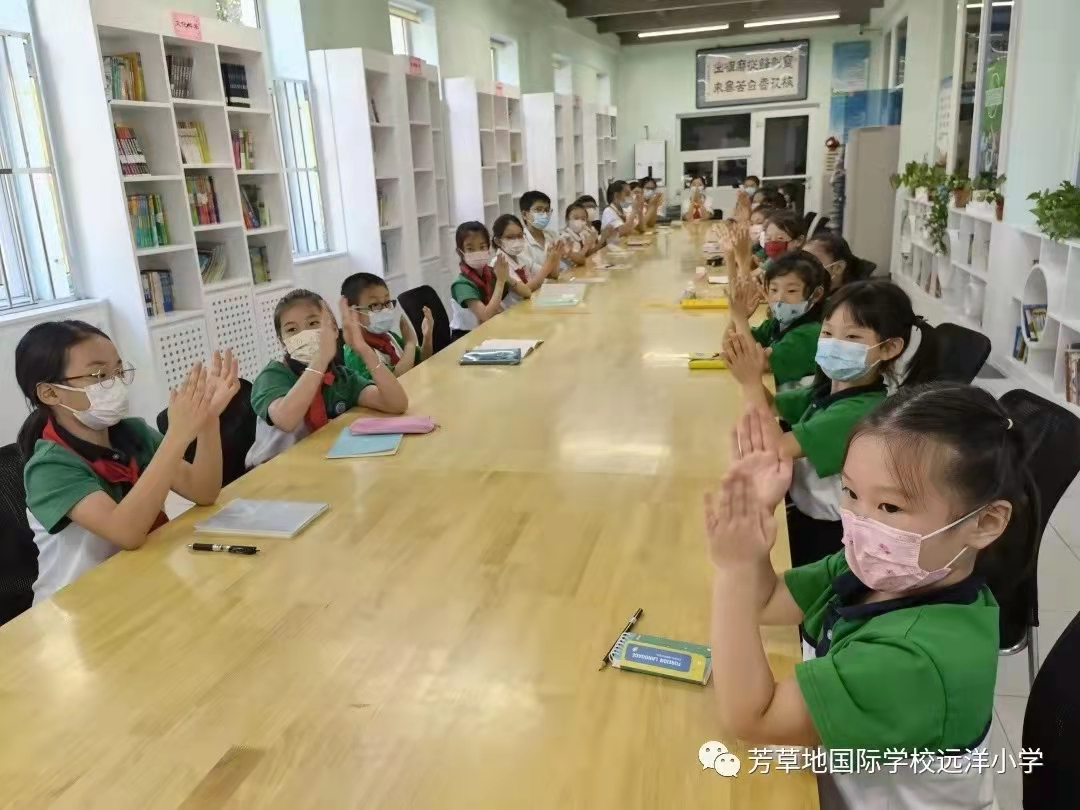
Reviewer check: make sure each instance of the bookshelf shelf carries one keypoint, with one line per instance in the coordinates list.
(549, 119)
(156, 251)
(173, 103)
(216, 226)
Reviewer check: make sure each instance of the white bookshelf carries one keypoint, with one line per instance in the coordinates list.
(486, 143)
(549, 120)
(206, 316)
(578, 148)
(990, 271)
(605, 167)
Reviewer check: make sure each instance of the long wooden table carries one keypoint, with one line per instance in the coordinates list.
(433, 640)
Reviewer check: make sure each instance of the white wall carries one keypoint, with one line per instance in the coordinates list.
(13, 407)
(657, 83)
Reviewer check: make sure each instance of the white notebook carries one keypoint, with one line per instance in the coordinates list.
(562, 294)
(496, 344)
(263, 518)
(718, 279)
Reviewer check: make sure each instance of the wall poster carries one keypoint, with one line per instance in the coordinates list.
(752, 74)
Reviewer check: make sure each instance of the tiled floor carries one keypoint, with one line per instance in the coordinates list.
(1059, 602)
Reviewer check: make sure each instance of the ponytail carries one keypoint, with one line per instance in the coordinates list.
(41, 357)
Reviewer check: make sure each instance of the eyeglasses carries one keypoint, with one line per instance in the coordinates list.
(376, 307)
(105, 378)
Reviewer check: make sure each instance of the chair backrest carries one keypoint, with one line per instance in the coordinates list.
(237, 433)
(1053, 434)
(18, 552)
(1052, 724)
(808, 220)
(818, 223)
(413, 302)
(961, 352)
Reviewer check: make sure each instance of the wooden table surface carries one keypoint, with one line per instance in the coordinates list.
(433, 640)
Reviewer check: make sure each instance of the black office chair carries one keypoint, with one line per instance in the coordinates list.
(18, 552)
(816, 225)
(1054, 461)
(961, 352)
(1052, 725)
(413, 302)
(808, 220)
(237, 433)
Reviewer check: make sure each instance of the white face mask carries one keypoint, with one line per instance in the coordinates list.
(303, 347)
(476, 259)
(593, 213)
(649, 192)
(577, 225)
(379, 323)
(513, 247)
(107, 405)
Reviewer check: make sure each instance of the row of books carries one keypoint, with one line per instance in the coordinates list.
(1034, 321)
(157, 286)
(123, 77)
(202, 200)
(132, 158)
(194, 148)
(213, 262)
(260, 264)
(255, 213)
(179, 74)
(243, 148)
(1072, 374)
(234, 79)
(146, 215)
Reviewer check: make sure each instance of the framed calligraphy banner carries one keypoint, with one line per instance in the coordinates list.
(752, 74)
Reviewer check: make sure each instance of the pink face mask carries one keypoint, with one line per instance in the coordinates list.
(887, 559)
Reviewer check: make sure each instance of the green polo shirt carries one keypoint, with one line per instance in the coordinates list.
(277, 379)
(794, 350)
(463, 290)
(355, 362)
(822, 421)
(56, 479)
(914, 672)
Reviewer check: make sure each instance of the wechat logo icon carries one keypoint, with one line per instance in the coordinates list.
(715, 755)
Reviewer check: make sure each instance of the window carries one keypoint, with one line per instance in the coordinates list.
(293, 102)
(494, 47)
(34, 263)
(715, 132)
(402, 21)
(901, 54)
(244, 12)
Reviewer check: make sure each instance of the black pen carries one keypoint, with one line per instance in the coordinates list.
(629, 626)
(220, 547)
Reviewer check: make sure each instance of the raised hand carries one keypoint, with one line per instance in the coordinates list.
(223, 381)
(739, 529)
(744, 294)
(742, 208)
(755, 447)
(743, 248)
(190, 405)
(502, 269)
(350, 327)
(744, 357)
(408, 333)
(427, 325)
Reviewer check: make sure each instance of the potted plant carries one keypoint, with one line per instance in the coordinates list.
(960, 187)
(1057, 212)
(986, 194)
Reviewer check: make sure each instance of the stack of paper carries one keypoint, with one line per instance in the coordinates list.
(364, 446)
(270, 518)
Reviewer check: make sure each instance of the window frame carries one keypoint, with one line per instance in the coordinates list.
(405, 18)
(320, 227)
(8, 198)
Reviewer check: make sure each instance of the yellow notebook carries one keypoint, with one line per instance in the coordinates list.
(706, 360)
(665, 657)
(704, 303)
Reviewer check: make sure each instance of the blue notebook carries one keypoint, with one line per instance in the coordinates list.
(349, 446)
(491, 357)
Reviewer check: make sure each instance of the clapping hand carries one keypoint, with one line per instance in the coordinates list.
(502, 269)
(745, 294)
(328, 334)
(191, 405)
(740, 530)
(427, 325)
(223, 381)
(755, 447)
(742, 208)
(744, 357)
(350, 325)
(743, 248)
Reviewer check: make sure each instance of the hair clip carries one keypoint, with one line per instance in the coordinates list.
(1009, 426)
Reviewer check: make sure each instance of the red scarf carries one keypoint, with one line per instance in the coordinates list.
(484, 280)
(112, 471)
(383, 343)
(316, 417)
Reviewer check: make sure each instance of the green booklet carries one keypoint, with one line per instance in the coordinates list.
(653, 655)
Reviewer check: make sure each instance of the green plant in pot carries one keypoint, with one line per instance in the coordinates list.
(1057, 212)
(937, 219)
(960, 187)
(986, 187)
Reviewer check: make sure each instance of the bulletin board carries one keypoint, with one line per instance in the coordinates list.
(752, 74)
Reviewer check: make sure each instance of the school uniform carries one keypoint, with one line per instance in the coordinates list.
(62, 471)
(611, 217)
(471, 285)
(340, 390)
(914, 673)
(794, 349)
(390, 348)
(518, 270)
(706, 208)
(822, 422)
(533, 255)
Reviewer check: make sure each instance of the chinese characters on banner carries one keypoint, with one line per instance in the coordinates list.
(728, 76)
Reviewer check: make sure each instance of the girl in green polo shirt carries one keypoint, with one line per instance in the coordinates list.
(479, 292)
(312, 385)
(96, 480)
(794, 289)
(901, 630)
(870, 339)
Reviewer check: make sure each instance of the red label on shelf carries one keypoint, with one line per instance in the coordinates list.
(498, 88)
(188, 26)
(416, 66)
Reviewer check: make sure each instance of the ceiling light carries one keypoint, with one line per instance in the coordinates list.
(995, 4)
(832, 15)
(670, 32)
